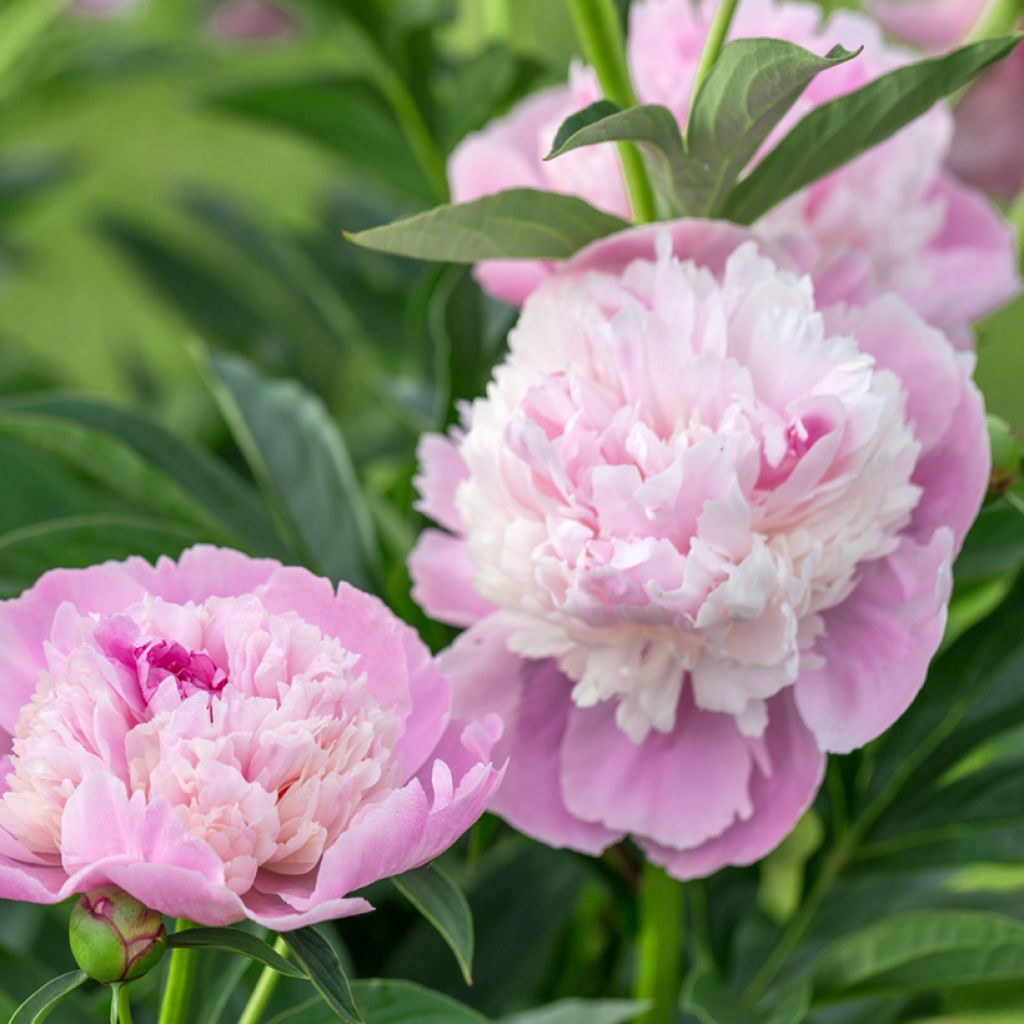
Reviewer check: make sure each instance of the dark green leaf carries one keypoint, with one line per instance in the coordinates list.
(388, 1002)
(836, 132)
(995, 544)
(210, 483)
(39, 1005)
(233, 940)
(298, 455)
(921, 952)
(520, 223)
(442, 903)
(748, 91)
(705, 995)
(325, 971)
(653, 127)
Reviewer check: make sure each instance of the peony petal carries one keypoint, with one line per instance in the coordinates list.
(781, 789)
(442, 469)
(442, 574)
(877, 645)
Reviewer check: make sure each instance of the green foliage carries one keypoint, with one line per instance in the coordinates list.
(40, 1004)
(325, 972)
(233, 940)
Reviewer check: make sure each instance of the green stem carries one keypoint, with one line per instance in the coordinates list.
(120, 1005)
(998, 18)
(264, 989)
(717, 35)
(660, 953)
(1017, 221)
(181, 976)
(597, 28)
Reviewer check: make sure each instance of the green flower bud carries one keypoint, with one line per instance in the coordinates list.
(1007, 454)
(114, 937)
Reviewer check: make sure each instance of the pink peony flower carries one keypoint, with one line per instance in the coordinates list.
(933, 25)
(224, 738)
(893, 220)
(700, 530)
(253, 21)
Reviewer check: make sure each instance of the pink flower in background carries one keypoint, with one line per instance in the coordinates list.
(253, 20)
(700, 530)
(224, 738)
(892, 220)
(103, 8)
(934, 25)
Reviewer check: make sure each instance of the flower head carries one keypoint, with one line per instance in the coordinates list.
(701, 529)
(892, 220)
(254, 743)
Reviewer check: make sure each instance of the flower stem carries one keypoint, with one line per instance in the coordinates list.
(998, 17)
(597, 28)
(264, 989)
(120, 1004)
(717, 35)
(660, 953)
(181, 976)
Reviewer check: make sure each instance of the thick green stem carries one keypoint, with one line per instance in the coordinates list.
(264, 989)
(181, 976)
(597, 28)
(660, 950)
(717, 35)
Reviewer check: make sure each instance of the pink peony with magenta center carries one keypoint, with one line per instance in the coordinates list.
(225, 738)
(700, 529)
(892, 220)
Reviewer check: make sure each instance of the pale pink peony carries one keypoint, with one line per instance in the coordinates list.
(893, 220)
(253, 21)
(224, 738)
(933, 25)
(700, 530)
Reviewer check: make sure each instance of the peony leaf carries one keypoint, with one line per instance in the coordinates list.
(749, 90)
(708, 999)
(299, 457)
(389, 1002)
(442, 903)
(926, 951)
(40, 1004)
(210, 483)
(651, 126)
(315, 954)
(837, 132)
(233, 940)
(520, 223)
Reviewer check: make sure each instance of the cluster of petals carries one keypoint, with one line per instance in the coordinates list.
(892, 220)
(700, 531)
(224, 738)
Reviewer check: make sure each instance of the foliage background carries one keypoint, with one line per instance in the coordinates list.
(170, 203)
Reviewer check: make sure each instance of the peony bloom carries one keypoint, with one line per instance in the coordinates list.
(933, 25)
(253, 21)
(224, 738)
(892, 220)
(700, 530)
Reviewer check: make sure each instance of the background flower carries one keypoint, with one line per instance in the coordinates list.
(892, 220)
(701, 532)
(224, 738)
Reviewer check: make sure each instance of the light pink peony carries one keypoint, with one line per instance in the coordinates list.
(224, 738)
(700, 530)
(253, 21)
(893, 220)
(934, 25)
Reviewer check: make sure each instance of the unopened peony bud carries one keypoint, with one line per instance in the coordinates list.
(114, 937)
(1007, 456)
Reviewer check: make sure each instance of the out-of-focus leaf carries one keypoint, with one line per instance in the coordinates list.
(299, 457)
(211, 484)
(388, 1002)
(442, 903)
(23, 180)
(520, 223)
(995, 544)
(38, 1006)
(708, 998)
(234, 940)
(748, 91)
(580, 1011)
(325, 971)
(348, 116)
(921, 952)
(836, 132)
(79, 541)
